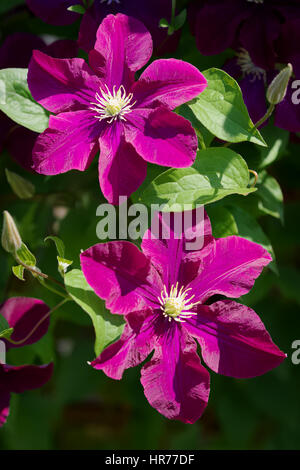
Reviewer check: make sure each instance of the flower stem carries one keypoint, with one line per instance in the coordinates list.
(39, 273)
(18, 343)
(266, 116)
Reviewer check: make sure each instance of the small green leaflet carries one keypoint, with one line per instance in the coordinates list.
(5, 330)
(19, 272)
(63, 263)
(24, 255)
(23, 188)
(17, 103)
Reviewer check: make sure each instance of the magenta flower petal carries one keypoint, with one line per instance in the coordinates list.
(132, 348)
(22, 378)
(167, 244)
(161, 137)
(230, 268)
(61, 84)
(4, 407)
(69, 143)
(174, 381)
(121, 275)
(170, 82)
(123, 46)
(234, 340)
(116, 178)
(54, 11)
(23, 314)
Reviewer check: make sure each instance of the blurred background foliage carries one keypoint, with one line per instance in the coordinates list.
(83, 409)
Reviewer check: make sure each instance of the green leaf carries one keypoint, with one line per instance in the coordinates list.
(77, 9)
(63, 265)
(270, 196)
(19, 272)
(222, 221)
(221, 109)
(179, 20)
(3, 323)
(23, 188)
(163, 23)
(204, 136)
(249, 228)
(6, 334)
(24, 255)
(60, 246)
(17, 103)
(216, 173)
(107, 327)
(277, 140)
(5, 330)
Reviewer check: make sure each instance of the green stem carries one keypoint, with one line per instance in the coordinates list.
(52, 289)
(173, 11)
(266, 116)
(18, 343)
(38, 273)
(201, 140)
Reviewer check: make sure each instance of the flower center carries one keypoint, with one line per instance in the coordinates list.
(176, 304)
(112, 105)
(248, 67)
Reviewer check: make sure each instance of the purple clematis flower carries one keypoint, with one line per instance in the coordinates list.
(22, 314)
(16, 51)
(164, 293)
(254, 80)
(253, 24)
(101, 106)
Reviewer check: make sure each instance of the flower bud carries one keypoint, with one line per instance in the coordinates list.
(21, 187)
(277, 89)
(11, 239)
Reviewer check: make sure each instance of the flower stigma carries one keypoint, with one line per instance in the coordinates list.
(248, 67)
(112, 105)
(176, 305)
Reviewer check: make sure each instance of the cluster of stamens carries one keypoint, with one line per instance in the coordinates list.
(248, 67)
(177, 304)
(255, 1)
(113, 105)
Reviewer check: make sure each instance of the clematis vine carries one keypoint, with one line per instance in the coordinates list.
(166, 294)
(23, 314)
(101, 106)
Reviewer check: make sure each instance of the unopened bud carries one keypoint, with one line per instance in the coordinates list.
(11, 239)
(21, 187)
(278, 87)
